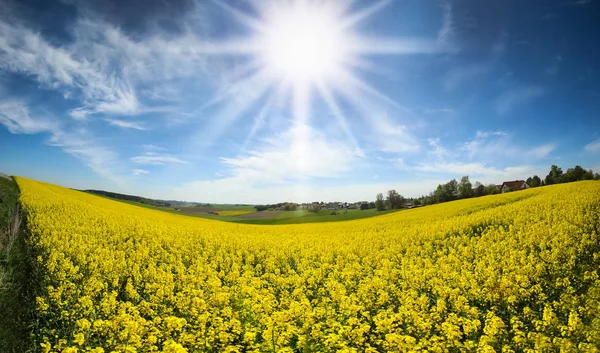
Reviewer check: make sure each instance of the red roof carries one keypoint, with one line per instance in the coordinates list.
(517, 184)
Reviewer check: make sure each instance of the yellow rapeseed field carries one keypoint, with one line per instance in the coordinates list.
(517, 272)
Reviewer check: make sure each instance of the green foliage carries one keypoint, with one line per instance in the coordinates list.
(394, 199)
(534, 181)
(554, 176)
(465, 188)
(9, 196)
(14, 275)
(379, 203)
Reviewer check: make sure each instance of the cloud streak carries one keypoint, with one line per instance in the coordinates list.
(514, 98)
(593, 146)
(126, 124)
(152, 158)
(15, 116)
(138, 172)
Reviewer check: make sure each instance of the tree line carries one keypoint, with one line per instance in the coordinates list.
(286, 206)
(463, 189)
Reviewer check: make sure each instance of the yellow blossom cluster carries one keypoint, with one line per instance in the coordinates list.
(517, 272)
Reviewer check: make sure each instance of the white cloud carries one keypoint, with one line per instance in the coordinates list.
(392, 138)
(480, 170)
(151, 158)
(492, 145)
(446, 32)
(25, 51)
(14, 115)
(510, 100)
(401, 165)
(297, 153)
(126, 124)
(541, 151)
(485, 134)
(103, 64)
(438, 151)
(152, 148)
(593, 146)
(140, 171)
(281, 169)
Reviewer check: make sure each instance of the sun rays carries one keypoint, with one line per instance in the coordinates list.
(301, 51)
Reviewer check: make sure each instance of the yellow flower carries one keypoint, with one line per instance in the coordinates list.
(511, 272)
(79, 339)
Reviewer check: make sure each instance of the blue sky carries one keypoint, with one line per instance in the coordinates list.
(260, 102)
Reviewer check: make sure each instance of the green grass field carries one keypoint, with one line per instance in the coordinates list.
(284, 217)
(14, 273)
(303, 216)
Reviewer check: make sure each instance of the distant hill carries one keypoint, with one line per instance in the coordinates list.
(114, 195)
(154, 202)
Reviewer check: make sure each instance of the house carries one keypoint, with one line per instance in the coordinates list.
(514, 186)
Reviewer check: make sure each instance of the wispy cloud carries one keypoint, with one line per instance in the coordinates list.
(102, 67)
(479, 158)
(15, 116)
(593, 146)
(25, 51)
(152, 158)
(391, 137)
(479, 170)
(298, 153)
(490, 145)
(465, 74)
(485, 134)
(516, 97)
(437, 150)
(541, 151)
(140, 172)
(446, 33)
(279, 169)
(126, 124)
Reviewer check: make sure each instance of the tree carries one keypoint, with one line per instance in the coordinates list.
(451, 190)
(364, 206)
(478, 189)
(465, 188)
(260, 208)
(534, 181)
(491, 189)
(394, 199)
(438, 194)
(289, 206)
(571, 175)
(314, 207)
(379, 204)
(554, 176)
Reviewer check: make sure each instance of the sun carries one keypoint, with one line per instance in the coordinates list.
(302, 41)
(299, 51)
